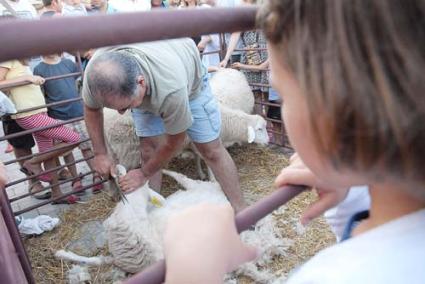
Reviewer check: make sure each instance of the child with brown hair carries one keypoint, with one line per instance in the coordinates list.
(351, 76)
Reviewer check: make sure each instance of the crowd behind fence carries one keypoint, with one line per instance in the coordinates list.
(260, 100)
(6, 202)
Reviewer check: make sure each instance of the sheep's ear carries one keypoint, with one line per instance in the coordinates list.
(251, 134)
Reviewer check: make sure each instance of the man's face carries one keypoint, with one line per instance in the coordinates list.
(122, 104)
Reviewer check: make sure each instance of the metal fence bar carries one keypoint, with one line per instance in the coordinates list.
(26, 82)
(59, 103)
(31, 131)
(71, 33)
(45, 152)
(58, 198)
(9, 219)
(251, 49)
(260, 85)
(47, 171)
(50, 186)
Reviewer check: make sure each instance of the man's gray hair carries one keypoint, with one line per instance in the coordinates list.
(114, 73)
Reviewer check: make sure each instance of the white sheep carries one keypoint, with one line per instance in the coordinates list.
(124, 145)
(238, 127)
(231, 89)
(135, 234)
(122, 142)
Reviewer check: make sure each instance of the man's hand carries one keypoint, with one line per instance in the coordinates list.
(133, 180)
(103, 165)
(298, 174)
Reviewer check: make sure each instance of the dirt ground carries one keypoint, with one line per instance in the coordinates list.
(257, 166)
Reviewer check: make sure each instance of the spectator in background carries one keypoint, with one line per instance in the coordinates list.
(22, 146)
(102, 7)
(131, 5)
(74, 8)
(191, 4)
(29, 96)
(236, 55)
(51, 8)
(210, 43)
(251, 40)
(157, 4)
(174, 3)
(65, 89)
(22, 8)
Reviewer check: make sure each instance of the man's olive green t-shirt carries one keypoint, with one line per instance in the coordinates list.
(174, 73)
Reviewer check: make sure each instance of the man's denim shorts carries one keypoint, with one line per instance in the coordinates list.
(206, 115)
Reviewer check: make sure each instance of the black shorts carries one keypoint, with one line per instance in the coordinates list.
(274, 111)
(11, 127)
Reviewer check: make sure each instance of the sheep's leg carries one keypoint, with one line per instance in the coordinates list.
(95, 261)
(199, 167)
(183, 180)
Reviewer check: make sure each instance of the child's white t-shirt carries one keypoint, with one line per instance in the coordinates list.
(391, 253)
(357, 200)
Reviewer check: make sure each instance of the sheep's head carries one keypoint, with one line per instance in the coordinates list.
(257, 133)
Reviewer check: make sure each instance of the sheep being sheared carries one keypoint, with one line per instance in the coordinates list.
(135, 233)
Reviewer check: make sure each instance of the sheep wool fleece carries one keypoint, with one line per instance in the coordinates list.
(174, 74)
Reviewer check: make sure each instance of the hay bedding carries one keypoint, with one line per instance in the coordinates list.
(257, 167)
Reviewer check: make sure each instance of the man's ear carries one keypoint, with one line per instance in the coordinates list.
(141, 81)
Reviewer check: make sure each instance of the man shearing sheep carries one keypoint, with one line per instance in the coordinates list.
(166, 87)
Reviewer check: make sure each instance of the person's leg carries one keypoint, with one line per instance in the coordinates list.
(45, 139)
(34, 185)
(50, 164)
(148, 146)
(86, 151)
(150, 130)
(224, 169)
(69, 159)
(9, 148)
(22, 147)
(205, 133)
(56, 191)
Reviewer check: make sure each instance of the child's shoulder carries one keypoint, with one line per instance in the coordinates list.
(391, 253)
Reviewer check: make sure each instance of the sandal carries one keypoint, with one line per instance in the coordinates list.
(44, 177)
(64, 174)
(78, 187)
(72, 199)
(42, 196)
(98, 187)
(9, 148)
